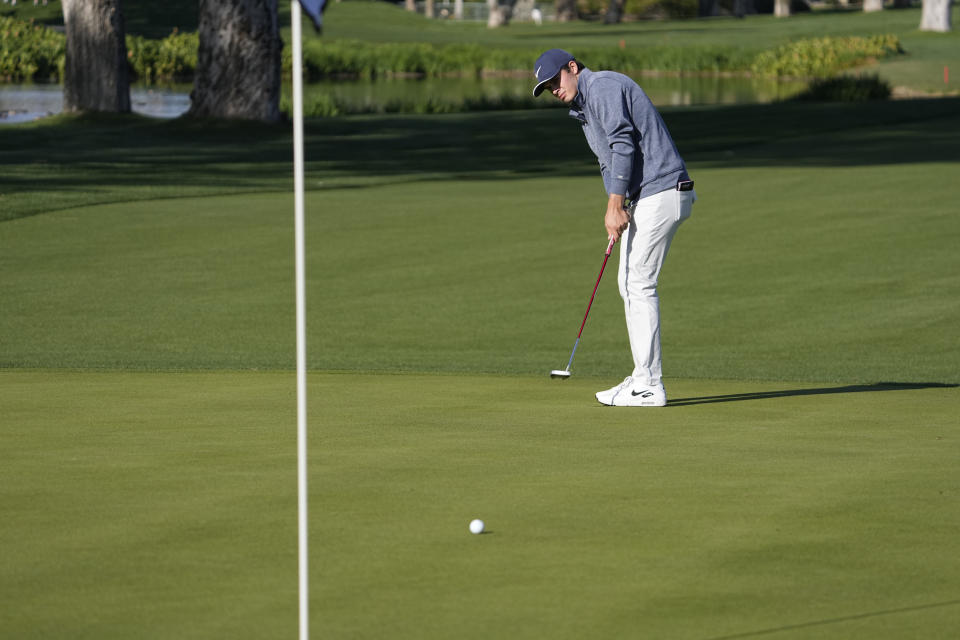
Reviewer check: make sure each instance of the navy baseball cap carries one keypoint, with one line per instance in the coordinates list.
(548, 65)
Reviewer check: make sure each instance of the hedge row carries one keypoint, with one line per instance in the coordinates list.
(174, 57)
(32, 52)
(29, 51)
(813, 58)
(824, 57)
(361, 59)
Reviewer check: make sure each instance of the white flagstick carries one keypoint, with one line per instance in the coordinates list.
(301, 320)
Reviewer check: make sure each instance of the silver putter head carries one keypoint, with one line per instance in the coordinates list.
(560, 373)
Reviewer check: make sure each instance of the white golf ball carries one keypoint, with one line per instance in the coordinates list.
(476, 526)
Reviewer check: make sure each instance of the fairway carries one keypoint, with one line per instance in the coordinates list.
(801, 483)
(163, 505)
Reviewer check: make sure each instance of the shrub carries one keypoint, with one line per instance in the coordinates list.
(673, 9)
(364, 60)
(824, 57)
(30, 51)
(174, 57)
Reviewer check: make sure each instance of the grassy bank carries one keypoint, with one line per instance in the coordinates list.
(71, 161)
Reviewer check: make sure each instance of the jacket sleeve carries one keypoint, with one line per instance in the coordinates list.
(619, 132)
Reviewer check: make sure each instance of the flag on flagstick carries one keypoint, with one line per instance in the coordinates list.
(315, 9)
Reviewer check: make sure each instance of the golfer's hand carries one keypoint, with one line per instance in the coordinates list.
(617, 219)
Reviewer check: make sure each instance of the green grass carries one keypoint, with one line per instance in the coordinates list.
(921, 70)
(51, 14)
(162, 505)
(772, 279)
(800, 484)
(149, 19)
(825, 283)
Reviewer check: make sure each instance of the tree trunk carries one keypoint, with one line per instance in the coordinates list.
(742, 8)
(428, 9)
(238, 61)
(870, 6)
(614, 12)
(523, 10)
(935, 16)
(566, 10)
(410, 5)
(499, 14)
(95, 73)
(458, 9)
(781, 8)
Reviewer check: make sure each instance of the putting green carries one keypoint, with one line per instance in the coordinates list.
(147, 401)
(163, 505)
(487, 276)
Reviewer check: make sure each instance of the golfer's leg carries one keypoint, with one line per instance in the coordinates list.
(652, 226)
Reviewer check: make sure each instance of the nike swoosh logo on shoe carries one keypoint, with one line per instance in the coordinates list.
(644, 394)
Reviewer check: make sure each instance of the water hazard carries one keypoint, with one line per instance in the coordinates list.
(22, 103)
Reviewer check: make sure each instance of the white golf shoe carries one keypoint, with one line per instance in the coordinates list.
(629, 394)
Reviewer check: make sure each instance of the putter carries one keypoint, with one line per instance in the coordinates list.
(563, 374)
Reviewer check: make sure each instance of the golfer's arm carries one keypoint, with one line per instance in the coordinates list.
(616, 200)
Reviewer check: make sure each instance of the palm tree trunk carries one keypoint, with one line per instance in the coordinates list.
(935, 16)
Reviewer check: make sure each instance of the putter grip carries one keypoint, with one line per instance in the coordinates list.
(613, 241)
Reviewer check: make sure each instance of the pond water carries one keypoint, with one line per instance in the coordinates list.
(21, 103)
(25, 102)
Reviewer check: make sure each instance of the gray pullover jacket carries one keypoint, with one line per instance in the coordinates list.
(637, 156)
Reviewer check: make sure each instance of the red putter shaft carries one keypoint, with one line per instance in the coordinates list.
(565, 373)
(606, 256)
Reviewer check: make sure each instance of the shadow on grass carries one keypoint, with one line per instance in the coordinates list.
(853, 388)
(829, 621)
(131, 157)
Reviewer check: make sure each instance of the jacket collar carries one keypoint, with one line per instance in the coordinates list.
(578, 102)
(583, 87)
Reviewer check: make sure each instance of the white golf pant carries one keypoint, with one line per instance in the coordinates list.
(643, 248)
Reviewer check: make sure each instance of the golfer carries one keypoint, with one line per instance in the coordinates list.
(649, 194)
